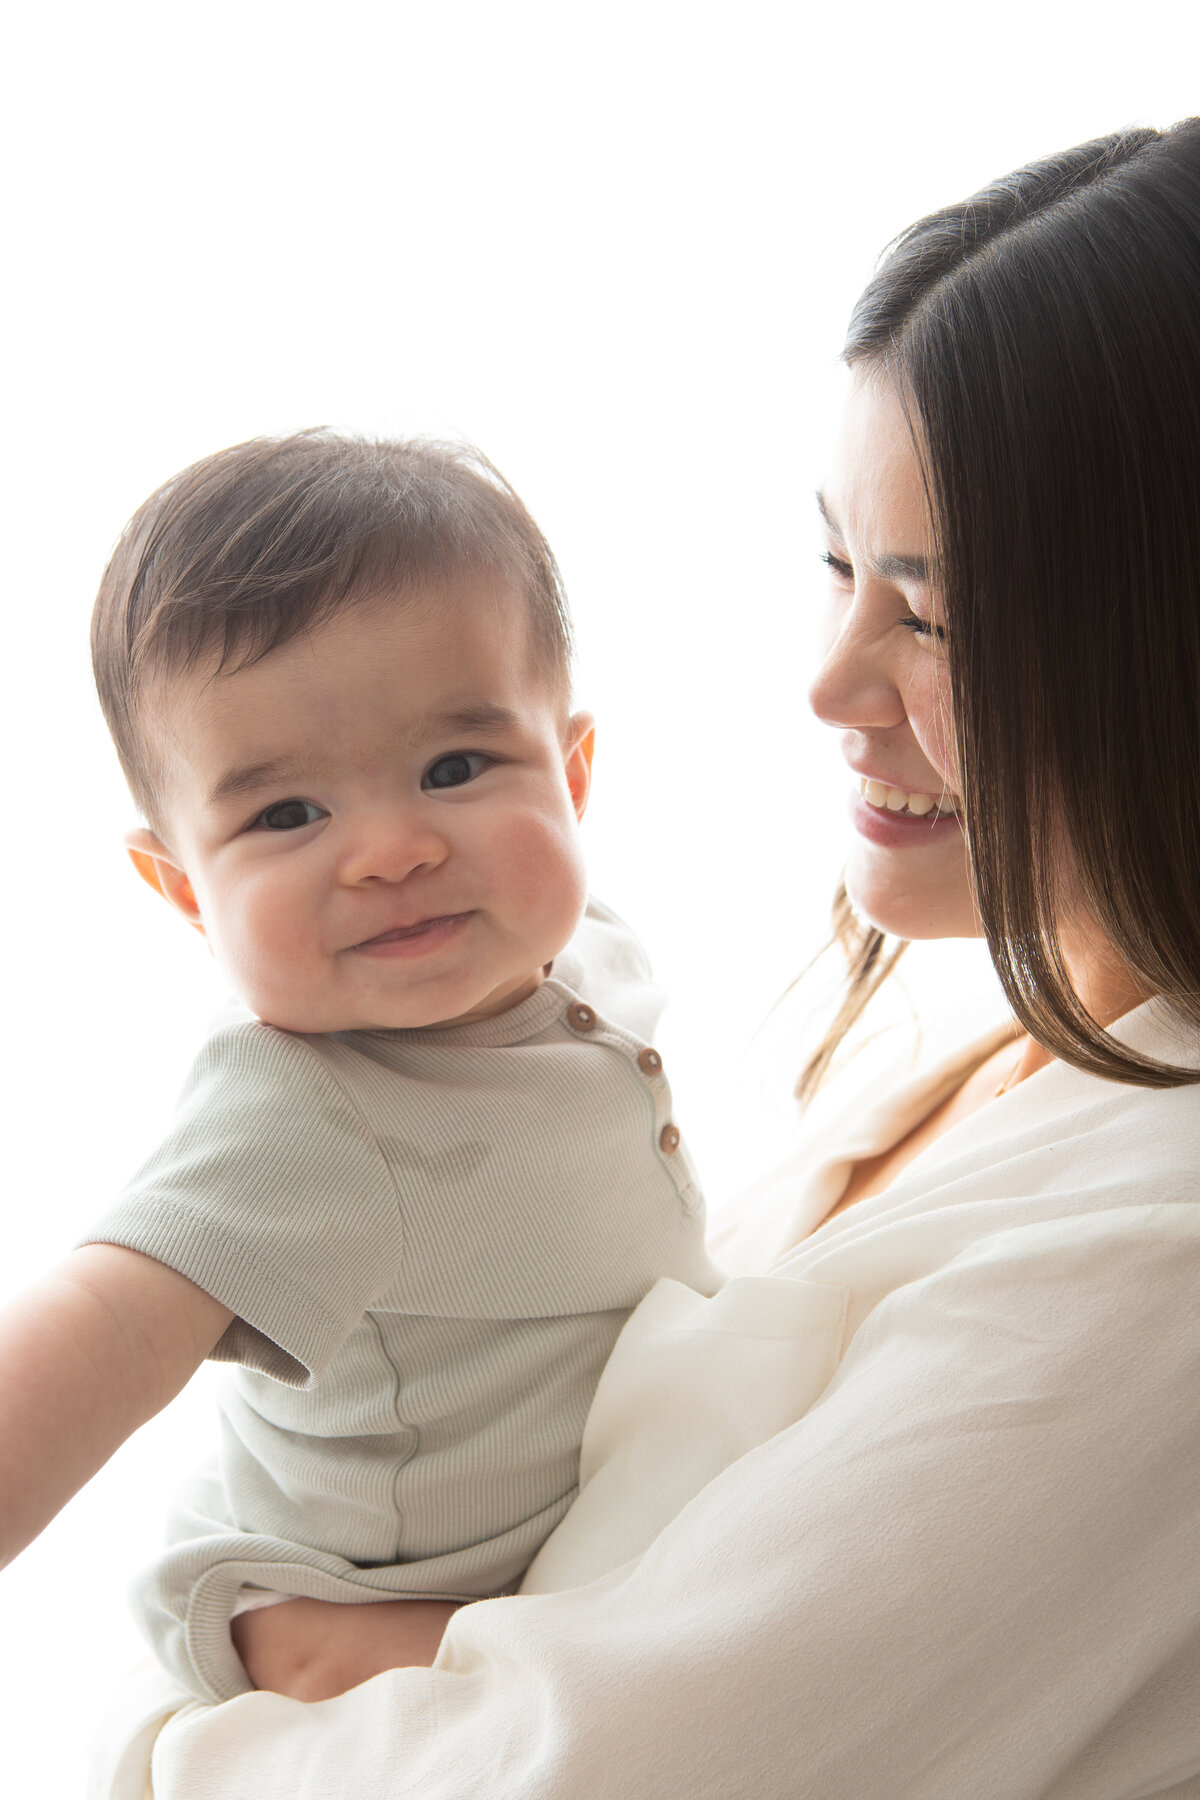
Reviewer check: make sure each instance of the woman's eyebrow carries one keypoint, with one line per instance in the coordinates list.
(826, 513)
(885, 568)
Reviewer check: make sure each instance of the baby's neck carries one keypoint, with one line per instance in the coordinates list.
(502, 1001)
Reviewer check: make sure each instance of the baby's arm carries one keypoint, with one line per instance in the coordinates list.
(89, 1354)
(314, 1649)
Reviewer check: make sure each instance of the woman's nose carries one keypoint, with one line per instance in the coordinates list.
(390, 844)
(854, 688)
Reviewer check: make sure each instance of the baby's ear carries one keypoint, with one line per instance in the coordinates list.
(160, 869)
(578, 751)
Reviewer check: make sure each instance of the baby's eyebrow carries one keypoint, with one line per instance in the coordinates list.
(250, 777)
(478, 715)
(887, 568)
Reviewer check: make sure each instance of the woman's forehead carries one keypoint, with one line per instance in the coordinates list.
(873, 497)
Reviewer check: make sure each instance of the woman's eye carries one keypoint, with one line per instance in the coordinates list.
(289, 815)
(453, 771)
(923, 627)
(837, 566)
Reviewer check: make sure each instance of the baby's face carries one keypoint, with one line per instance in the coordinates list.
(377, 825)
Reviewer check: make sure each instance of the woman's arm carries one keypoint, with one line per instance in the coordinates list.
(89, 1354)
(972, 1567)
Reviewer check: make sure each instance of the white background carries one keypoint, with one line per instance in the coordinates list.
(614, 246)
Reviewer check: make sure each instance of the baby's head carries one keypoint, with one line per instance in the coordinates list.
(337, 676)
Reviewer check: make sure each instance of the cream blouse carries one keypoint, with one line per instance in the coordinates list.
(911, 1515)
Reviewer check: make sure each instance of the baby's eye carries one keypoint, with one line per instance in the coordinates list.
(289, 815)
(453, 771)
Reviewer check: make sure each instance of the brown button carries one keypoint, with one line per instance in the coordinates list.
(581, 1017)
(669, 1140)
(649, 1062)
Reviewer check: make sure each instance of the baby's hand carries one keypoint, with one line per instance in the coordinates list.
(314, 1649)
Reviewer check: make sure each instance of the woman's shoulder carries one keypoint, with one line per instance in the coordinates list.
(1059, 1145)
(1109, 1135)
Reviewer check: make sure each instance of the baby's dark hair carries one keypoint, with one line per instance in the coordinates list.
(253, 546)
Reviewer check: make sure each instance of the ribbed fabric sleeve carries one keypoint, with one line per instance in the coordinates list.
(271, 1194)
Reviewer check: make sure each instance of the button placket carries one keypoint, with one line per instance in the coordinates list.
(651, 1064)
(668, 1139)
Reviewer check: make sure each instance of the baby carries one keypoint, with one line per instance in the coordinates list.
(416, 1185)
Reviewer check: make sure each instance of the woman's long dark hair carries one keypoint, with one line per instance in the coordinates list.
(1045, 339)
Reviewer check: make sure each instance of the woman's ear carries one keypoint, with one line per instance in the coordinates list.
(578, 750)
(160, 869)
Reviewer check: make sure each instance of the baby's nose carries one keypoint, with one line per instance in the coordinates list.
(392, 845)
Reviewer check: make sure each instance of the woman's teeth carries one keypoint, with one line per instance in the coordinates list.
(890, 799)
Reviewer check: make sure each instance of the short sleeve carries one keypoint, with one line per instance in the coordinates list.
(270, 1193)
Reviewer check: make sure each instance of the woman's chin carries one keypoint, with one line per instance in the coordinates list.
(925, 901)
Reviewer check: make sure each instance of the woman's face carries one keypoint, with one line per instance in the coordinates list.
(884, 682)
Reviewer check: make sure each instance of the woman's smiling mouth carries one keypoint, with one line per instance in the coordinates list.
(896, 819)
(895, 800)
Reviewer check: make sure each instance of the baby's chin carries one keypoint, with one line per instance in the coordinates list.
(396, 1013)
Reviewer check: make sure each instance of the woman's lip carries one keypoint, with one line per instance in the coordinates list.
(901, 830)
(413, 939)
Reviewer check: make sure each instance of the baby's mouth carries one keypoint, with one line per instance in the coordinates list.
(916, 806)
(422, 927)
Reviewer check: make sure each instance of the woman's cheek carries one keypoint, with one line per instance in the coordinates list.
(932, 721)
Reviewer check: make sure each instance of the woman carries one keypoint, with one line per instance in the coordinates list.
(912, 1514)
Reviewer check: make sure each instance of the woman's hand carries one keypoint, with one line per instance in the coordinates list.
(314, 1649)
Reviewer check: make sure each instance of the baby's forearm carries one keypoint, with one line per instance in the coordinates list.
(314, 1649)
(86, 1356)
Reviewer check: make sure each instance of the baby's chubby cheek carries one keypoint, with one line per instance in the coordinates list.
(546, 884)
(268, 955)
